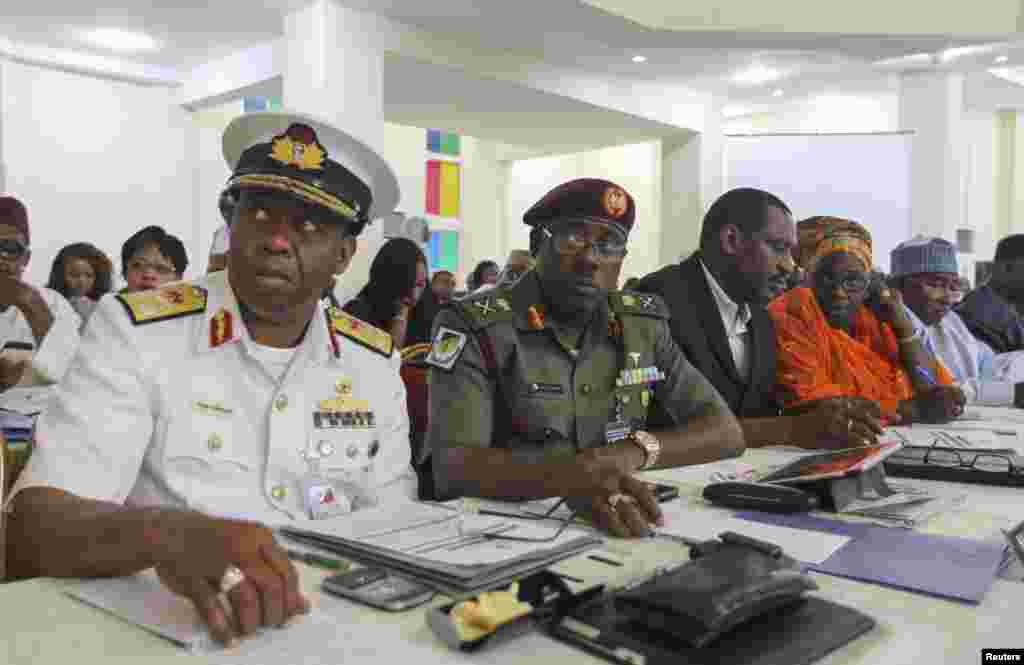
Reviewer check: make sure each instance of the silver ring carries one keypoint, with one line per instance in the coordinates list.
(233, 576)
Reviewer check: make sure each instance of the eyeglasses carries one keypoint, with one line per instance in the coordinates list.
(936, 455)
(136, 265)
(572, 240)
(12, 248)
(851, 282)
(942, 285)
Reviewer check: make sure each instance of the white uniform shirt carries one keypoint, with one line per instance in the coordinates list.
(50, 359)
(156, 414)
(735, 318)
(220, 241)
(972, 362)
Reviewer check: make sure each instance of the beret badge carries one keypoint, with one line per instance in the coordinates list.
(615, 202)
(298, 147)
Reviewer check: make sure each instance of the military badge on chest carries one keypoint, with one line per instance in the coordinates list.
(340, 454)
(634, 388)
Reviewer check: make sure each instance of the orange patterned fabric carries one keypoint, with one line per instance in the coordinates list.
(817, 361)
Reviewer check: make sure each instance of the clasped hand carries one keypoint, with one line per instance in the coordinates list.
(194, 552)
(612, 498)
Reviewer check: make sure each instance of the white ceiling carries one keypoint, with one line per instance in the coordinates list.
(563, 33)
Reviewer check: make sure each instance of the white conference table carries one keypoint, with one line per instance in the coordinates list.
(40, 624)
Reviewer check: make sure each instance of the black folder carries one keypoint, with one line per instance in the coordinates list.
(798, 634)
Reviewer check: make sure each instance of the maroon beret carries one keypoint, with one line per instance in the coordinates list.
(585, 199)
(13, 212)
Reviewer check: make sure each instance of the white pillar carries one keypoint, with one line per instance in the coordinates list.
(932, 105)
(333, 70)
(692, 177)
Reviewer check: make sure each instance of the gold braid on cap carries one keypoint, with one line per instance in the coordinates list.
(299, 188)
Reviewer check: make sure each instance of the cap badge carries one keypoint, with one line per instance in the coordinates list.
(298, 147)
(615, 202)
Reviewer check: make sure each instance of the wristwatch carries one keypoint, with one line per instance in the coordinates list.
(650, 445)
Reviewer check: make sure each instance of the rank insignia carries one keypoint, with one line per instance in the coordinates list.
(362, 332)
(220, 328)
(447, 347)
(298, 147)
(167, 302)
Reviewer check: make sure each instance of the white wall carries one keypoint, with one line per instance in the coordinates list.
(826, 114)
(635, 167)
(94, 160)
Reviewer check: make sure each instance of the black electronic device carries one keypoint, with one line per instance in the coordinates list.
(665, 493)
(760, 496)
(378, 588)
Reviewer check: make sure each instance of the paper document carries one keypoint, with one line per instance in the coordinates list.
(683, 521)
(143, 600)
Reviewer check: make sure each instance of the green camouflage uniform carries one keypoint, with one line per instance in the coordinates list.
(539, 394)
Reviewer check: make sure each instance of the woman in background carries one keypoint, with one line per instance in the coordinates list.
(82, 274)
(486, 272)
(398, 277)
(842, 336)
(151, 258)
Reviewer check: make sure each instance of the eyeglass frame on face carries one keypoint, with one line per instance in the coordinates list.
(603, 249)
(831, 283)
(11, 256)
(953, 287)
(138, 265)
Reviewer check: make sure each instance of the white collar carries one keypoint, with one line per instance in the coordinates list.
(735, 317)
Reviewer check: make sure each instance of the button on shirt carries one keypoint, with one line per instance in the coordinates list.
(735, 318)
(971, 362)
(158, 415)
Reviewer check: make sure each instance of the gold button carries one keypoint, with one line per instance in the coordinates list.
(281, 403)
(587, 388)
(215, 442)
(625, 399)
(279, 492)
(534, 388)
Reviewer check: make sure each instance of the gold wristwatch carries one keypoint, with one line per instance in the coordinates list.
(650, 445)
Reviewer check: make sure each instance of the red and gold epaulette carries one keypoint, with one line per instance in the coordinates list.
(166, 302)
(362, 332)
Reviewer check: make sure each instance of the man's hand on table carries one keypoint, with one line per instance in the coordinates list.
(193, 551)
(606, 492)
(839, 422)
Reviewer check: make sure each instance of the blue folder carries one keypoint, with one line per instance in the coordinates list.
(944, 566)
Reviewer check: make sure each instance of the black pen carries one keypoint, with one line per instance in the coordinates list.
(610, 562)
(570, 578)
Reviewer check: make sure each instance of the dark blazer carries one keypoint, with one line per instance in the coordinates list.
(698, 330)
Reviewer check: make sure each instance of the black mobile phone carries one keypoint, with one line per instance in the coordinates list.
(665, 493)
(378, 588)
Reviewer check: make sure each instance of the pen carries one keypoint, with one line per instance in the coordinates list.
(924, 375)
(601, 559)
(568, 578)
(317, 560)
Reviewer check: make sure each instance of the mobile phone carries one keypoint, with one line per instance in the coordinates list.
(378, 588)
(665, 493)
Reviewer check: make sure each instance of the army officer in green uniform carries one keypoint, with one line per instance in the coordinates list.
(542, 388)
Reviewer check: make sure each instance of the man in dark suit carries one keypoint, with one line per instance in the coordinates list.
(717, 299)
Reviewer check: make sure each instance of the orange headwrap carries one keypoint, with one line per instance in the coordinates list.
(820, 236)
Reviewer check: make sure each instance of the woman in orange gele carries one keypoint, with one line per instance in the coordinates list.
(831, 344)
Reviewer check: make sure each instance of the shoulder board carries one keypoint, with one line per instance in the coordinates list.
(166, 302)
(631, 303)
(363, 333)
(486, 309)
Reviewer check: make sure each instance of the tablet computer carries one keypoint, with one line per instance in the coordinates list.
(833, 464)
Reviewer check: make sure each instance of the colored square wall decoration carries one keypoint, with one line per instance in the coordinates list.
(443, 251)
(444, 143)
(443, 188)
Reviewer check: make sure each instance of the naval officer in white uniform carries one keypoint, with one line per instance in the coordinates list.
(196, 407)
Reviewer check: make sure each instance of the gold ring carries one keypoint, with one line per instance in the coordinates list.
(849, 424)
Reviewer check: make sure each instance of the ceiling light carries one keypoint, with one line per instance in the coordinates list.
(120, 40)
(639, 58)
(776, 93)
(756, 75)
(1000, 59)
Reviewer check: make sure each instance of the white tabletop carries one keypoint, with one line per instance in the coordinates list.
(39, 624)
